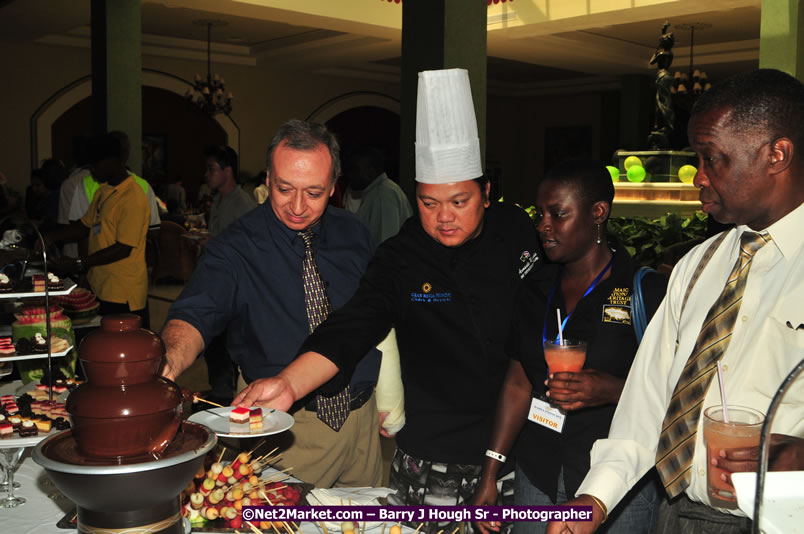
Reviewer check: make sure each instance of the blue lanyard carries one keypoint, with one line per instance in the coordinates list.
(588, 290)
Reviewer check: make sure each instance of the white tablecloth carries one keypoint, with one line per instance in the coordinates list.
(40, 513)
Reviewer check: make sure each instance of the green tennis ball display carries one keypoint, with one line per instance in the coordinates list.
(632, 161)
(687, 173)
(636, 173)
(615, 173)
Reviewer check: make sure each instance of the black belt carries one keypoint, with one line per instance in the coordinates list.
(356, 400)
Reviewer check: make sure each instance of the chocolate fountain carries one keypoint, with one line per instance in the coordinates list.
(128, 455)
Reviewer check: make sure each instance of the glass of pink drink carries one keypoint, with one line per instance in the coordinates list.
(568, 356)
(743, 430)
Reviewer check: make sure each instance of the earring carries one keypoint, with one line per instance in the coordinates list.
(598, 233)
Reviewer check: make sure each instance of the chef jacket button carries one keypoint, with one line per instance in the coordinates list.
(702, 472)
(725, 368)
(745, 318)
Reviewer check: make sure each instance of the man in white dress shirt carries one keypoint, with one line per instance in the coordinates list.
(749, 137)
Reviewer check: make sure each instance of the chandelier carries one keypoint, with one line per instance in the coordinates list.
(210, 94)
(695, 81)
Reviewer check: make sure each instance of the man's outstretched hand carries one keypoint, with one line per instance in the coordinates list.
(274, 392)
(578, 527)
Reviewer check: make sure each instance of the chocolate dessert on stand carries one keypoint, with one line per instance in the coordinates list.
(128, 455)
(6, 285)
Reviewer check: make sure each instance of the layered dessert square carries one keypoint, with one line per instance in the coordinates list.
(38, 282)
(40, 395)
(6, 430)
(239, 416)
(6, 284)
(43, 425)
(58, 344)
(54, 283)
(255, 419)
(28, 429)
(6, 346)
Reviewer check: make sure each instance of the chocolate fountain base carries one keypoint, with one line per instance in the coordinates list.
(162, 519)
(133, 498)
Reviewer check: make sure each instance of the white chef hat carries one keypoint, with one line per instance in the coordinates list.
(447, 145)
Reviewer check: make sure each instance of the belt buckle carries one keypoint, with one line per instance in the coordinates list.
(359, 399)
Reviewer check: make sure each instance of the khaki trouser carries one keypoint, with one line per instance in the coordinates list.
(350, 457)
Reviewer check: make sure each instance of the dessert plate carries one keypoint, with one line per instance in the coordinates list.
(18, 357)
(69, 285)
(15, 442)
(217, 419)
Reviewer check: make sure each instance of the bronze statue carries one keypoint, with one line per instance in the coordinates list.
(664, 115)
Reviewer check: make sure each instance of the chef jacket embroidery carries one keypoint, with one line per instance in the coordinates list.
(528, 259)
(427, 295)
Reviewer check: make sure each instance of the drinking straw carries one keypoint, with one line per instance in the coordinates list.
(722, 391)
(560, 333)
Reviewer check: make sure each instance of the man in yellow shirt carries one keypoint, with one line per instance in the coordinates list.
(116, 224)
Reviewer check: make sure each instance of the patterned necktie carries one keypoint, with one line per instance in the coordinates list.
(331, 410)
(680, 426)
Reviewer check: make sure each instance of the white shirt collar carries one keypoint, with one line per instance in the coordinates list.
(786, 232)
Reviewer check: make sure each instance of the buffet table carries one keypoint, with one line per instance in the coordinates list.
(40, 513)
(45, 506)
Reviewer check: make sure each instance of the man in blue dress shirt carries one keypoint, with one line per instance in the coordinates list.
(249, 283)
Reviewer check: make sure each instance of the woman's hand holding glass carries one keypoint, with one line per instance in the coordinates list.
(584, 389)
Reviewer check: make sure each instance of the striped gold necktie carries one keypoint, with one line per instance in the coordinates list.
(680, 426)
(331, 410)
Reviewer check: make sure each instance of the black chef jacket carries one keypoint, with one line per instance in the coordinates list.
(452, 309)
(602, 319)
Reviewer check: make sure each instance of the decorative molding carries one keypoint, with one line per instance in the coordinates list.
(347, 101)
(171, 47)
(385, 75)
(62, 100)
(559, 87)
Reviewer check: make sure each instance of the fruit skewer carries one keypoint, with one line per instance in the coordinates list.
(284, 523)
(196, 398)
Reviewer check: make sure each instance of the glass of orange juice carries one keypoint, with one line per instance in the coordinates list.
(568, 355)
(743, 430)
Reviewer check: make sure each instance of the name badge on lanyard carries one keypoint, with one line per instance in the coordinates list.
(542, 413)
(96, 228)
(589, 289)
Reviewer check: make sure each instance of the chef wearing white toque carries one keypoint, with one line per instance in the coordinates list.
(447, 282)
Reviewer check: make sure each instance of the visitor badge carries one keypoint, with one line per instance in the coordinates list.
(96, 228)
(542, 413)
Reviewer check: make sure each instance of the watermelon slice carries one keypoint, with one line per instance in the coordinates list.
(36, 314)
(78, 301)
